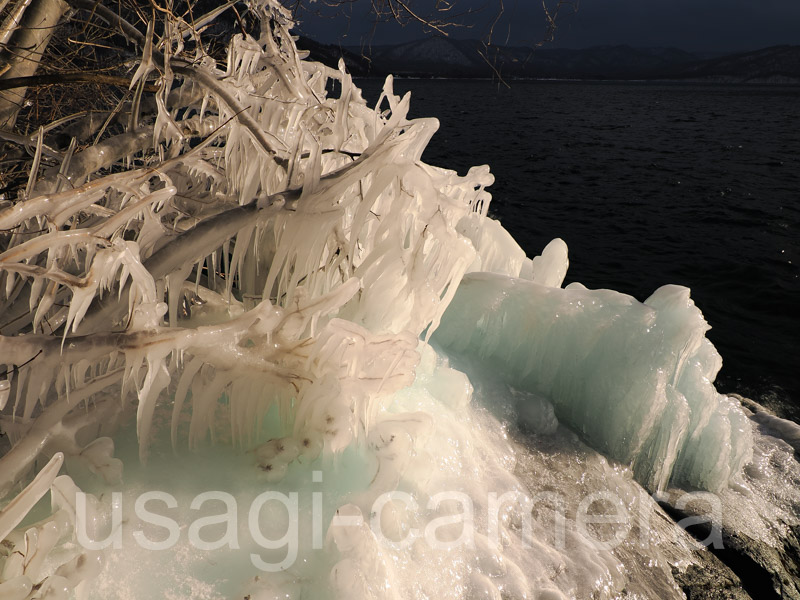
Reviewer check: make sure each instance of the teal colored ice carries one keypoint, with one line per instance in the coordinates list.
(634, 379)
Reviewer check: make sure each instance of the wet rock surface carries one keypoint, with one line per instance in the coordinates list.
(763, 572)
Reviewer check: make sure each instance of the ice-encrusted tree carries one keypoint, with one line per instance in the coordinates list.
(244, 227)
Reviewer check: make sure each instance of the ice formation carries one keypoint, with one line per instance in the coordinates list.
(634, 379)
(254, 269)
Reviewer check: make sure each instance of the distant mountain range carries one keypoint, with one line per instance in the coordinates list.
(444, 57)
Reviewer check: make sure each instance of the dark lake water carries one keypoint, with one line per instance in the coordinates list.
(649, 184)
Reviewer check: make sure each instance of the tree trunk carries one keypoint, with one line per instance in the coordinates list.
(24, 38)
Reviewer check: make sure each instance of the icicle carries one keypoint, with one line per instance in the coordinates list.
(155, 381)
(35, 167)
(184, 383)
(146, 64)
(5, 389)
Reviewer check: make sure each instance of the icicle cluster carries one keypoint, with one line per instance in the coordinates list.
(253, 238)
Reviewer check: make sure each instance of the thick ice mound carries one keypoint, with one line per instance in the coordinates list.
(429, 507)
(634, 379)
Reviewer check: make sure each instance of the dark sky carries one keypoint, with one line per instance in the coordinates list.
(694, 25)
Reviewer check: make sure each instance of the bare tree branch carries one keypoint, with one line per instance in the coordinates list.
(62, 78)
